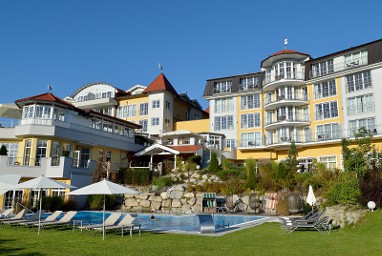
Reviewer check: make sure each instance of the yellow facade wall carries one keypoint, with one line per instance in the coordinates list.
(135, 101)
(196, 126)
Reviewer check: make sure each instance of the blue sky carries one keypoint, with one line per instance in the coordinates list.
(67, 44)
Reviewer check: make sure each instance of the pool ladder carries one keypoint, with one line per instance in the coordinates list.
(225, 213)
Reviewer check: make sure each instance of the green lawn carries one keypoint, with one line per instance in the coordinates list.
(267, 239)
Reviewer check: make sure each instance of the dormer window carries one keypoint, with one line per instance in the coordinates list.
(221, 87)
(249, 83)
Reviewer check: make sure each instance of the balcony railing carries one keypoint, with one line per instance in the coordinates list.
(338, 67)
(309, 137)
(286, 119)
(287, 98)
(270, 78)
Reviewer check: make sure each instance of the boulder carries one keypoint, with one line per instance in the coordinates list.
(145, 203)
(155, 206)
(157, 199)
(186, 208)
(176, 194)
(176, 203)
(164, 195)
(191, 201)
(142, 196)
(166, 203)
(131, 202)
(183, 200)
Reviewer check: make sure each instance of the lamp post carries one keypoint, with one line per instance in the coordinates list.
(371, 205)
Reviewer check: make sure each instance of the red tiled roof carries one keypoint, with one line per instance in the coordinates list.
(161, 84)
(186, 149)
(49, 97)
(287, 52)
(207, 109)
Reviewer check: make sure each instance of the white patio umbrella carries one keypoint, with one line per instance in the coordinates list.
(5, 187)
(310, 198)
(7, 182)
(10, 110)
(41, 183)
(104, 188)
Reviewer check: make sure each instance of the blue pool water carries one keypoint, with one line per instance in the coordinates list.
(186, 223)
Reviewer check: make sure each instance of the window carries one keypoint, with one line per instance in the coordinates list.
(329, 161)
(328, 131)
(250, 101)
(359, 81)
(322, 68)
(144, 109)
(167, 122)
(249, 83)
(156, 104)
(127, 111)
(12, 149)
(85, 156)
(220, 87)
(361, 104)
(326, 110)
(143, 123)
(251, 139)
(223, 105)
(367, 123)
(250, 120)
(356, 58)
(168, 105)
(223, 123)
(230, 143)
(41, 151)
(325, 89)
(54, 153)
(155, 121)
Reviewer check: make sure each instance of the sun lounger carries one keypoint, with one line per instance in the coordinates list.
(125, 224)
(6, 214)
(309, 218)
(32, 217)
(65, 220)
(19, 216)
(309, 214)
(51, 218)
(110, 221)
(321, 225)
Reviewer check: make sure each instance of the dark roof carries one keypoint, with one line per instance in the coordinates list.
(160, 83)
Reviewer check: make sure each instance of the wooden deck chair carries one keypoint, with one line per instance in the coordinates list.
(65, 220)
(19, 216)
(7, 213)
(32, 217)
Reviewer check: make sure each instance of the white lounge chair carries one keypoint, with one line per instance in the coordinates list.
(65, 220)
(19, 216)
(7, 213)
(110, 221)
(32, 217)
(125, 224)
(51, 218)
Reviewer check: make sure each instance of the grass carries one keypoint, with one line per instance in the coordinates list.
(267, 239)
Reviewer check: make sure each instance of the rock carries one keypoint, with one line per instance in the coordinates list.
(136, 209)
(183, 200)
(145, 203)
(166, 203)
(180, 188)
(189, 194)
(142, 196)
(186, 208)
(158, 199)
(245, 199)
(155, 206)
(191, 201)
(131, 202)
(195, 175)
(176, 203)
(176, 194)
(196, 208)
(164, 195)
(129, 195)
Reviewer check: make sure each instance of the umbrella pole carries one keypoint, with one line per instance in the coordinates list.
(103, 219)
(39, 214)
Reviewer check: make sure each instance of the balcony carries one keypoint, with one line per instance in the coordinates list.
(338, 67)
(272, 81)
(283, 121)
(283, 101)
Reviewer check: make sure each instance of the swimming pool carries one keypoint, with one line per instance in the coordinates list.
(178, 223)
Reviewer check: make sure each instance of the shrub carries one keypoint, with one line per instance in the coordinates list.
(69, 205)
(346, 191)
(250, 166)
(233, 186)
(371, 188)
(163, 181)
(138, 176)
(226, 164)
(96, 201)
(196, 159)
(214, 163)
(228, 174)
(52, 203)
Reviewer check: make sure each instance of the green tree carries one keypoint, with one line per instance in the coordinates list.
(214, 163)
(356, 159)
(250, 166)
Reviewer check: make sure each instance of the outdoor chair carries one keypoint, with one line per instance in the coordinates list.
(65, 220)
(32, 217)
(7, 213)
(19, 216)
(110, 221)
(309, 218)
(125, 224)
(321, 225)
(51, 218)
